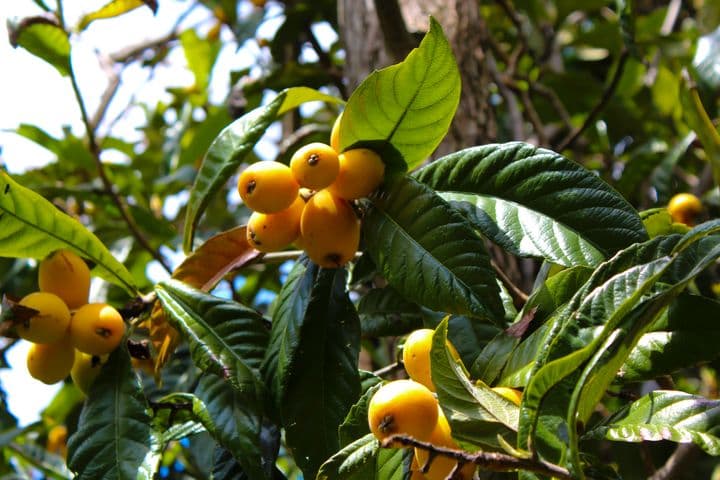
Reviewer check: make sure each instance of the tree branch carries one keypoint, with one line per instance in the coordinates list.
(95, 151)
(398, 41)
(493, 461)
(604, 99)
(684, 454)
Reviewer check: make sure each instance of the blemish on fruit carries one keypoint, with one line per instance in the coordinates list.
(313, 160)
(251, 187)
(103, 332)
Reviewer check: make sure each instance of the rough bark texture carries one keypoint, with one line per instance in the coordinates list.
(365, 39)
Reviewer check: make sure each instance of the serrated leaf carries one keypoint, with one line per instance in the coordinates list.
(314, 341)
(428, 252)
(524, 232)
(691, 320)
(31, 227)
(355, 424)
(225, 337)
(114, 438)
(476, 414)
(568, 197)
(408, 106)
(44, 38)
(231, 146)
(384, 312)
(114, 8)
(364, 460)
(666, 415)
(233, 419)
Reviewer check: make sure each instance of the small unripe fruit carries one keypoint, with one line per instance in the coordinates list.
(66, 275)
(416, 356)
(515, 396)
(50, 362)
(441, 466)
(269, 232)
(684, 207)
(86, 369)
(315, 165)
(335, 134)
(361, 172)
(51, 322)
(330, 230)
(267, 186)
(402, 407)
(97, 329)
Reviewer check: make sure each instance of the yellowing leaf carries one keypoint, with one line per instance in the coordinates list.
(203, 269)
(115, 8)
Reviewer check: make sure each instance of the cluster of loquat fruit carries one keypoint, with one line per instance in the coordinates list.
(68, 334)
(410, 407)
(309, 203)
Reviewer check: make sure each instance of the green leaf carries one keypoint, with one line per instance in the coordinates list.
(666, 415)
(384, 312)
(230, 148)
(408, 106)
(31, 227)
(698, 119)
(44, 38)
(233, 419)
(200, 55)
(691, 320)
(567, 196)
(355, 424)
(51, 465)
(113, 437)
(315, 340)
(428, 252)
(114, 8)
(476, 414)
(225, 337)
(525, 232)
(364, 460)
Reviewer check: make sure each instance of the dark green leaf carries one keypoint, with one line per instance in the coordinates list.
(31, 227)
(666, 415)
(44, 38)
(429, 253)
(314, 341)
(113, 437)
(409, 105)
(691, 320)
(568, 197)
(355, 424)
(384, 312)
(225, 337)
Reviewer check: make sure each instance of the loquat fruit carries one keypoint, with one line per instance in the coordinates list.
(50, 362)
(51, 322)
(267, 186)
(684, 207)
(330, 230)
(96, 328)
(361, 171)
(65, 274)
(270, 232)
(315, 165)
(403, 407)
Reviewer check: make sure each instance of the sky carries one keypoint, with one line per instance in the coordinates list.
(31, 91)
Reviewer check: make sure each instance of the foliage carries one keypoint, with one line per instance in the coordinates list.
(240, 364)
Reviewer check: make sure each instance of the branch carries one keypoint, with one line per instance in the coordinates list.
(493, 461)
(398, 41)
(684, 454)
(518, 295)
(95, 151)
(604, 99)
(389, 369)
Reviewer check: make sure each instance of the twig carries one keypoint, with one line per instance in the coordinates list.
(516, 121)
(389, 369)
(604, 99)
(398, 41)
(493, 461)
(95, 151)
(684, 454)
(518, 295)
(534, 117)
(326, 62)
(108, 94)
